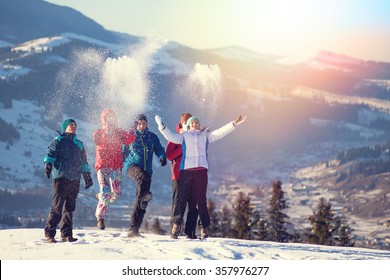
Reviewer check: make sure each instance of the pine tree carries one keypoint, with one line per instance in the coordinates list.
(156, 227)
(322, 224)
(277, 218)
(262, 230)
(225, 221)
(343, 233)
(242, 214)
(214, 228)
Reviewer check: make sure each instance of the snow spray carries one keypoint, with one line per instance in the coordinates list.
(201, 91)
(75, 84)
(101, 82)
(125, 85)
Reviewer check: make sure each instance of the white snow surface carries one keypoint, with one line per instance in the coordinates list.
(111, 244)
(14, 71)
(110, 254)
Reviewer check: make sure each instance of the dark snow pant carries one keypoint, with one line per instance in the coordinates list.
(195, 185)
(63, 204)
(180, 199)
(143, 181)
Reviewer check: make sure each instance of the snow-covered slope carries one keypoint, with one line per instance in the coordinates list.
(29, 244)
(47, 43)
(111, 255)
(21, 163)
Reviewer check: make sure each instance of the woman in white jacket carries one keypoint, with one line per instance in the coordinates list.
(194, 164)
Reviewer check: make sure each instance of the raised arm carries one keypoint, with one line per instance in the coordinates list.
(226, 129)
(168, 134)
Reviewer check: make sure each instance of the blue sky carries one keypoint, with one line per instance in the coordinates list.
(358, 28)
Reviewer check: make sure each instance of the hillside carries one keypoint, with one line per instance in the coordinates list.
(361, 198)
(25, 20)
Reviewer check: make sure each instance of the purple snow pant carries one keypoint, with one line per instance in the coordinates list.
(180, 199)
(193, 184)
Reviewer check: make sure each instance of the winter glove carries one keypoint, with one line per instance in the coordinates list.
(87, 180)
(163, 161)
(239, 120)
(159, 122)
(48, 168)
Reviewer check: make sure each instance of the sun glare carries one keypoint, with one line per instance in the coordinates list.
(271, 25)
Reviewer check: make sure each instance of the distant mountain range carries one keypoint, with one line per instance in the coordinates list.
(55, 62)
(25, 20)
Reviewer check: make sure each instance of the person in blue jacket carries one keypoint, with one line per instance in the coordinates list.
(138, 165)
(65, 161)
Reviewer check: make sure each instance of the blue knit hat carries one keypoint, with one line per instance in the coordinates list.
(66, 123)
(192, 119)
(141, 117)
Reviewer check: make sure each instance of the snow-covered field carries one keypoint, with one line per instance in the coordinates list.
(85, 256)
(29, 244)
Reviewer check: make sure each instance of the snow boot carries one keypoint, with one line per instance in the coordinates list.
(100, 224)
(203, 233)
(69, 239)
(50, 240)
(192, 235)
(175, 231)
(133, 232)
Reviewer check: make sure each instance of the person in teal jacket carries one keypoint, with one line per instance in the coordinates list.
(138, 165)
(65, 161)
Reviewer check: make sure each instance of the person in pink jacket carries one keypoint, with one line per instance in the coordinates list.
(109, 162)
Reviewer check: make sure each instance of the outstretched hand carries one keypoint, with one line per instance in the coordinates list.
(159, 122)
(240, 120)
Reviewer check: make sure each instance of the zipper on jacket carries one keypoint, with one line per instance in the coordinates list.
(145, 153)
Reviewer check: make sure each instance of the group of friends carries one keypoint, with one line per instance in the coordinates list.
(116, 149)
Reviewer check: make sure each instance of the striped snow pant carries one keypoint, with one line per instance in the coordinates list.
(110, 190)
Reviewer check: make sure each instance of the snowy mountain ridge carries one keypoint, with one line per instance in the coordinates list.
(46, 44)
